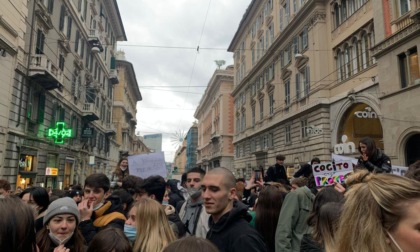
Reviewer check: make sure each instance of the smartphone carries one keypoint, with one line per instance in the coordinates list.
(257, 175)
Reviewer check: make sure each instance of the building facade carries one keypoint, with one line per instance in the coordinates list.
(215, 126)
(60, 120)
(126, 96)
(180, 158)
(13, 17)
(191, 151)
(397, 52)
(153, 142)
(302, 71)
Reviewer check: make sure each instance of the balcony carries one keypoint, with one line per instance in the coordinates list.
(95, 40)
(90, 112)
(110, 129)
(44, 72)
(129, 112)
(415, 15)
(113, 76)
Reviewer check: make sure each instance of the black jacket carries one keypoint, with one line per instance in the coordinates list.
(309, 245)
(89, 229)
(380, 163)
(277, 173)
(233, 233)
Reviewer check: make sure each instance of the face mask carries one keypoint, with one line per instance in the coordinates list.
(130, 232)
(395, 242)
(165, 203)
(194, 192)
(123, 168)
(57, 241)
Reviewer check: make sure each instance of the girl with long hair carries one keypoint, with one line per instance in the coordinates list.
(38, 198)
(120, 172)
(380, 214)
(267, 212)
(153, 229)
(60, 227)
(373, 159)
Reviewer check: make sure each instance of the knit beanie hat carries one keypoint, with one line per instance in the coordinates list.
(64, 205)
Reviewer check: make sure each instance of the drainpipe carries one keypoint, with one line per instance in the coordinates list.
(29, 62)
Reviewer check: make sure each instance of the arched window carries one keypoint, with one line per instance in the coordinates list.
(355, 56)
(351, 6)
(338, 66)
(365, 51)
(343, 10)
(336, 15)
(347, 62)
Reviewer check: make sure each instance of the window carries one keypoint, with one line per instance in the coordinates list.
(343, 10)
(36, 106)
(303, 38)
(281, 19)
(49, 4)
(404, 6)
(253, 56)
(237, 151)
(261, 108)
(271, 103)
(347, 62)
(287, 11)
(40, 39)
(243, 122)
(338, 66)
(365, 51)
(302, 83)
(61, 61)
(238, 124)
(354, 56)
(253, 115)
(288, 134)
(295, 45)
(303, 127)
(337, 15)
(409, 67)
(287, 92)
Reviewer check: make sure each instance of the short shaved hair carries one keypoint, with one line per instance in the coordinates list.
(229, 179)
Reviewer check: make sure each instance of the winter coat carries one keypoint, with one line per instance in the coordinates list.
(292, 225)
(380, 163)
(309, 245)
(108, 215)
(233, 233)
(175, 222)
(277, 172)
(201, 224)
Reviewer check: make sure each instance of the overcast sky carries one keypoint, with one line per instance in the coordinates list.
(163, 36)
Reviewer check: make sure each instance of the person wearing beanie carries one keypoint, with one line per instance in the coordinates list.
(60, 228)
(76, 195)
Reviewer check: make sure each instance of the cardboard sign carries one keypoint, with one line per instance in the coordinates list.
(399, 170)
(146, 165)
(327, 173)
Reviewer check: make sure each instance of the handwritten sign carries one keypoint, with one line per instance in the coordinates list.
(399, 170)
(146, 165)
(327, 173)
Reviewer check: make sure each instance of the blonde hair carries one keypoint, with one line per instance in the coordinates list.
(153, 229)
(374, 204)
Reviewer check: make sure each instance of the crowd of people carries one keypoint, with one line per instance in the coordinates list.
(214, 211)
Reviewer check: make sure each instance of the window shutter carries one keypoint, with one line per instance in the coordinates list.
(69, 27)
(76, 42)
(307, 80)
(62, 16)
(62, 114)
(41, 108)
(297, 86)
(50, 6)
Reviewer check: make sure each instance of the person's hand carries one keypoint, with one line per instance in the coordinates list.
(61, 248)
(251, 182)
(85, 210)
(365, 157)
(339, 187)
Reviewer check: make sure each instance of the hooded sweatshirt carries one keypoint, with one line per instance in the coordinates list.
(233, 233)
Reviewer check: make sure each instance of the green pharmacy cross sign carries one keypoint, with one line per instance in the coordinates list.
(59, 132)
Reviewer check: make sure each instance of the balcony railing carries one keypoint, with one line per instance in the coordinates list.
(45, 72)
(90, 112)
(95, 40)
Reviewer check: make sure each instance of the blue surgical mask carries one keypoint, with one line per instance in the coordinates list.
(130, 232)
(165, 203)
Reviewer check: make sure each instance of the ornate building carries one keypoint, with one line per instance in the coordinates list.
(302, 69)
(215, 126)
(60, 118)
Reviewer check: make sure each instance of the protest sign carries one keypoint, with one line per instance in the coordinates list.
(328, 172)
(146, 165)
(399, 170)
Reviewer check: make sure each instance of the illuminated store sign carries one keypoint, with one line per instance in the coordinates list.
(59, 132)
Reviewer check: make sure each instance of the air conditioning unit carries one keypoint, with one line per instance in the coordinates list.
(298, 56)
(95, 49)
